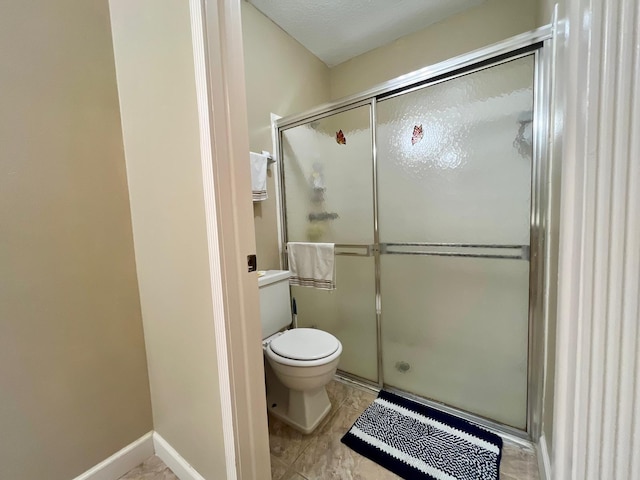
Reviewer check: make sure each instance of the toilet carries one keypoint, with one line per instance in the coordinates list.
(299, 362)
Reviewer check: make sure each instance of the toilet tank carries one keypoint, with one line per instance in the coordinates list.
(275, 301)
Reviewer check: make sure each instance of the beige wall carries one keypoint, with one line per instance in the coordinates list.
(477, 27)
(545, 10)
(156, 82)
(284, 78)
(73, 374)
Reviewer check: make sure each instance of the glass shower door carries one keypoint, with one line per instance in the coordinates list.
(328, 182)
(454, 196)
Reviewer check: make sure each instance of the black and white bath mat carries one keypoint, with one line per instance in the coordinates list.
(418, 442)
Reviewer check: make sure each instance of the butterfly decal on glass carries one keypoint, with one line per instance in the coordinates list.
(340, 138)
(417, 134)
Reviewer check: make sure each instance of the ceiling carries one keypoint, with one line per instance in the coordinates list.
(337, 30)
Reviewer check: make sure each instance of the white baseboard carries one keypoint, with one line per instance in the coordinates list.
(137, 452)
(122, 461)
(544, 462)
(174, 460)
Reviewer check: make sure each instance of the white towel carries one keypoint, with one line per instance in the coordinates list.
(312, 265)
(259, 176)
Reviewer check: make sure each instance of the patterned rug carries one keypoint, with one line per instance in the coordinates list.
(418, 442)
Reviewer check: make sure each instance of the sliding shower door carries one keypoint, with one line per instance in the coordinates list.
(328, 186)
(426, 191)
(454, 195)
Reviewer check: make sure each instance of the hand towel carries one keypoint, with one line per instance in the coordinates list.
(312, 265)
(259, 176)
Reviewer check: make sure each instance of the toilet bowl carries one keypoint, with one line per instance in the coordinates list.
(301, 363)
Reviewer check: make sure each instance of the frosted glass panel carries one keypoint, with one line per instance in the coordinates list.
(455, 167)
(455, 330)
(328, 171)
(347, 312)
(329, 185)
(466, 176)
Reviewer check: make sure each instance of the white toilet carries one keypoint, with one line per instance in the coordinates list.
(300, 362)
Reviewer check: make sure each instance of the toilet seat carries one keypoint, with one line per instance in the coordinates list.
(305, 344)
(313, 347)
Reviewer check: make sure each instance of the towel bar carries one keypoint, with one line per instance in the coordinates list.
(270, 158)
(522, 254)
(370, 249)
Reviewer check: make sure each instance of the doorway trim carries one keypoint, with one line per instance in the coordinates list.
(596, 416)
(231, 236)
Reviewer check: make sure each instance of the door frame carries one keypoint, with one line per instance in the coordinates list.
(224, 142)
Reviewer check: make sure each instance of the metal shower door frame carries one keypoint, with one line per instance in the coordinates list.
(536, 43)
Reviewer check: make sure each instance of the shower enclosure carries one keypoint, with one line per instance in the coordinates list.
(431, 187)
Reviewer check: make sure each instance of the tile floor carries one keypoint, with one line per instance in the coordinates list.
(321, 455)
(151, 469)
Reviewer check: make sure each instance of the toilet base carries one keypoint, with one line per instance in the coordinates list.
(301, 410)
(304, 411)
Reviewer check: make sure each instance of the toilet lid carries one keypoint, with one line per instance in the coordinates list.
(305, 344)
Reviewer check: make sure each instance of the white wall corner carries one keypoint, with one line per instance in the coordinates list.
(172, 459)
(544, 462)
(122, 461)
